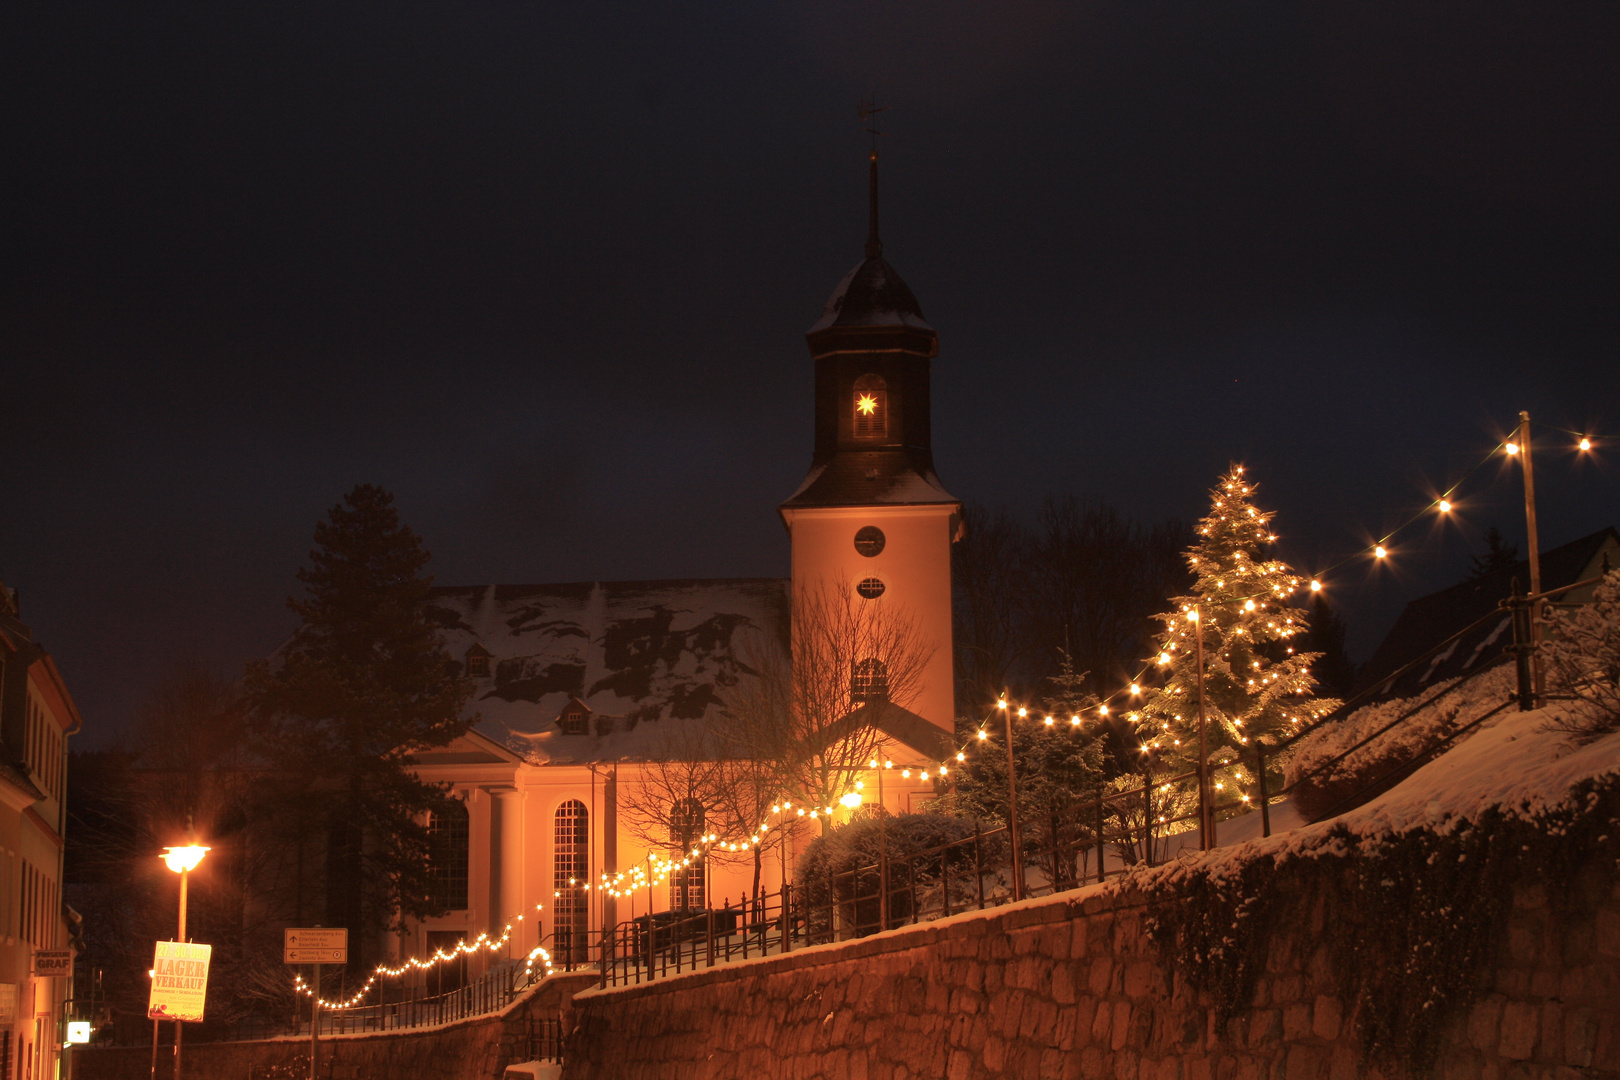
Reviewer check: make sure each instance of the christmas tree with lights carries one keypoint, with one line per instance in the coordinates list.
(1256, 686)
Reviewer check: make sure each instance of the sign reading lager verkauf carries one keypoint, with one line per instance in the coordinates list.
(179, 981)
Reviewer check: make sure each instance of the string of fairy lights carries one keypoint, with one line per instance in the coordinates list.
(1379, 550)
(656, 869)
(536, 957)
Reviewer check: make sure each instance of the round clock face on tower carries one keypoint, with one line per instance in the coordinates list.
(869, 541)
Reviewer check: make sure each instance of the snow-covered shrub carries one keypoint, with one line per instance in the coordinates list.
(840, 866)
(1583, 660)
(1317, 787)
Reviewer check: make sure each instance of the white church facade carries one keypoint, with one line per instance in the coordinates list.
(581, 688)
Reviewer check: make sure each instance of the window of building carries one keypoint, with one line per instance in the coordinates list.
(871, 403)
(575, 719)
(570, 872)
(686, 891)
(870, 588)
(448, 847)
(868, 681)
(478, 659)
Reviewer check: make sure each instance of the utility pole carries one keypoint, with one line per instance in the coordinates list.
(1534, 540)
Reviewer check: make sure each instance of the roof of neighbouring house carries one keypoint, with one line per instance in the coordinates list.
(1430, 620)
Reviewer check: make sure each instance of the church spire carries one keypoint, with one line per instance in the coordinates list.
(874, 244)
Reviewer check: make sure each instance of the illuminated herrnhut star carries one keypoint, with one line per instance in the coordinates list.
(866, 404)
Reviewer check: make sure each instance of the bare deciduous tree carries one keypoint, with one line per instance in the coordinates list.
(814, 712)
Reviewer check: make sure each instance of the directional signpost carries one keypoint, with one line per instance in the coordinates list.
(315, 945)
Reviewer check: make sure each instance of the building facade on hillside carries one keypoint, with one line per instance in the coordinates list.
(37, 715)
(1469, 606)
(584, 690)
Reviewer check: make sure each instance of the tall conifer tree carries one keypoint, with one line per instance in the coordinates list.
(1256, 685)
(363, 684)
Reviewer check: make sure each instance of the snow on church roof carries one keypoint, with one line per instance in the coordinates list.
(647, 657)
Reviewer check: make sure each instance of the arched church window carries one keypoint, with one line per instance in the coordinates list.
(687, 821)
(868, 681)
(448, 845)
(871, 407)
(570, 864)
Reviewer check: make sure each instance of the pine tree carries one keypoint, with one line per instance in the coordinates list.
(1334, 672)
(363, 684)
(1256, 686)
(1059, 763)
(1498, 555)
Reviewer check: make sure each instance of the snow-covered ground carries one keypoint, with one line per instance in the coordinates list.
(1515, 761)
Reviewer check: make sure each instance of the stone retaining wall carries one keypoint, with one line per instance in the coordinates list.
(477, 1049)
(1074, 987)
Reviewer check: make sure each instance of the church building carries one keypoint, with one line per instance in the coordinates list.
(586, 691)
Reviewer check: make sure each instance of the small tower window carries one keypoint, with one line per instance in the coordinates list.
(868, 682)
(871, 403)
(870, 588)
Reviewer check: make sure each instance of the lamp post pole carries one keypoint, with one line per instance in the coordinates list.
(1534, 555)
(1206, 813)
(1012, 806)
(185, 874)
(182, 860)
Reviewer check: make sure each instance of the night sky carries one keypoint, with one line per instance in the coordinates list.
(544, 271)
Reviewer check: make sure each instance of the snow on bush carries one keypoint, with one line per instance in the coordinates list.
(1582, 659)
(1318, 787)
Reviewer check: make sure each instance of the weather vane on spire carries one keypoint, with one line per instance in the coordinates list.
(867, 111)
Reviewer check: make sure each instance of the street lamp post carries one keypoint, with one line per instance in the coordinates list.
(1012, 804)
(182, 860)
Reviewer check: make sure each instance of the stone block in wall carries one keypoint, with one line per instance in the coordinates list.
(1119, 1024)
(1580, 1037)
(1296, 1021)
(1100, 979)
(1077, 940)
(1519, 1023)
(1606, 931)
(1265, 1028)
(1326, 1018)
(1485, 1023)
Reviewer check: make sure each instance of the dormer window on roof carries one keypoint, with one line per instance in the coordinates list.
(575, 718)
(478, 659)
(871, 398)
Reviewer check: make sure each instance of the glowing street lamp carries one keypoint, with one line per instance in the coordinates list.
(182, 860)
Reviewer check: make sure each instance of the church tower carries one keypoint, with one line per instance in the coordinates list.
(871, 516)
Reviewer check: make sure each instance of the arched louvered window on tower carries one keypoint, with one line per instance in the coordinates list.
(871, 404)
(868, 682)
(448, 846)
(571, 868)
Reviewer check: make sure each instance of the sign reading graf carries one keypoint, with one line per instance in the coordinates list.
(53, 962)
(316, 945)
(179, 981)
